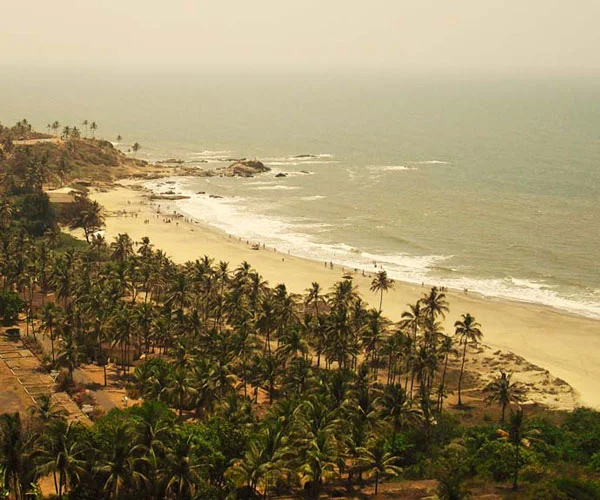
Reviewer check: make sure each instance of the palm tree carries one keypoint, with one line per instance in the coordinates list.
(381, 283)
(518, 435)
(68, 347)
(372, 337)
(180, 475)
(318, 428)
(118, 464)
(503, 392)
(136, 147)
(251, 469)
(87, 215)
(45, 412)
(376, 461)
(395, 408)
(435, 304)
(62, 454)
(122, 247)
(6, 213)
(320, 459)
(119, 138)
(93, 128)
(85, 123)
(446, 348)
(468, 331)
(18, 447)
(266, 321)
(181, 389)
(154, 423)
(55, 126)
(314, 296)
(270, 370)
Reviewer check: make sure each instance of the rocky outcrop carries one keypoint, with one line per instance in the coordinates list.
(239, 168)
(170, 161)
(244, 168)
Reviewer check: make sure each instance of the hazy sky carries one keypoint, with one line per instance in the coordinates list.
(479, 35)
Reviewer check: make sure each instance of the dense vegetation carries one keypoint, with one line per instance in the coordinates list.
(251, 390)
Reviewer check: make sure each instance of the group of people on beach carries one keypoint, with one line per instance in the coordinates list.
(175, 216)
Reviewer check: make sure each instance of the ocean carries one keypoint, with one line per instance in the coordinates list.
(488, 184)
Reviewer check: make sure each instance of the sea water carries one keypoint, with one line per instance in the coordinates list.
(488, 184)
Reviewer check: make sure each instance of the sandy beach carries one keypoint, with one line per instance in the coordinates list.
(566, 345)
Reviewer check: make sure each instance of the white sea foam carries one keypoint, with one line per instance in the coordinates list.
(312, 159)
(208, 152)
(390, 168)
(295, 162)
(237, 217)
(431, 162)
(276, 187)
(312, 198)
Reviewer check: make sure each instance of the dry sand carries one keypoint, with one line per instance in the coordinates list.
(566, 345)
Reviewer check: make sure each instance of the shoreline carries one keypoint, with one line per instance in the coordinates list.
(566, 344)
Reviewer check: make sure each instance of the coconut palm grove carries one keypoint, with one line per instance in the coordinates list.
(238, 388)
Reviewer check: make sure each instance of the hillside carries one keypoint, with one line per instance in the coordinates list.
(29, 156)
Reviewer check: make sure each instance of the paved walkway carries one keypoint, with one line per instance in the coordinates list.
(36, 382)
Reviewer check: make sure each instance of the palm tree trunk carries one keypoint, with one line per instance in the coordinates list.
(516, 472)
(462, 367)
(55, 482)
(52, 346)
(442, 385)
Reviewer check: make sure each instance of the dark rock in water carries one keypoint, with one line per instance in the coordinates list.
(214, 196)
(169, 192)
(168, 197)
(201, 192)
(244, 168)
(305, 156)
(171, 160)
(304, 172)
(281, 174)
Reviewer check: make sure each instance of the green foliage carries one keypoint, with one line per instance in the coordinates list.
(451, 469)
(495, 459)
(582, 428)
(248, 390)
(10, 307)
(35, 213)
(565, 488)
(595, 462)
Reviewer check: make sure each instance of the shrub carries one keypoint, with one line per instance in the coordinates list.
(579, 489)
(595, 462)
(10, 307)
(546, 490)
(583, 433)
(495, 459)
(451, 471)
